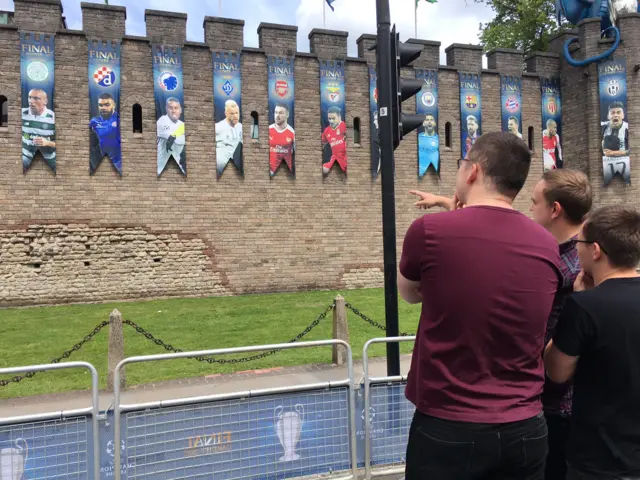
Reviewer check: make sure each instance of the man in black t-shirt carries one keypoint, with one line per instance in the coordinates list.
(598, 339)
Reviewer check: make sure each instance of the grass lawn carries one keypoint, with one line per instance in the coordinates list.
(36, 335)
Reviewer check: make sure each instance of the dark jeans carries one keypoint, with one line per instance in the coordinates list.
(446, 450)
(556, 468)
(574, 474)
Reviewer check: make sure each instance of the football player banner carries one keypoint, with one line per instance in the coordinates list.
(104, 104)
(282, 135)
(227, 89)
(373, 122)
(612, 75)
(37, 82)
(428, 139)
(332, 111)
(169, 98)
(470, 111)
(511, 100)
(551, 123)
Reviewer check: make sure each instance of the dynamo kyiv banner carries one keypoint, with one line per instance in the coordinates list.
(282, 134)
(511, 101)
(373, 122)
(470, 111)
(168, 92)
(38, 117)
(551, 123)
(612, 75)
(428, 139)
(332, 112)
(227, 93)
(104, 104)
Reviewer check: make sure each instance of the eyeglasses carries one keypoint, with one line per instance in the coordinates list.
(591, 241)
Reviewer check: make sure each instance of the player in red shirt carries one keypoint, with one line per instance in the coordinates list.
(282, 141)
(334, 141)
(551, 149)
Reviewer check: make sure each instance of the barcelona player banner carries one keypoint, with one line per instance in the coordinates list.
(282, 134)
(104, 104)
(373, 122)
(551, 123)
(470, 111)
(227, 92)
(614, 126)
(332, 111)
(169, 98)
(37, 109)
(428, 139)
(511, 100)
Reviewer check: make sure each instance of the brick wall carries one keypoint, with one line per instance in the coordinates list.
(104, 21)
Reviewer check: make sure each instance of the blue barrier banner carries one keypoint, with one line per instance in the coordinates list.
(373, 122)
(470, 111)
(551, 123)
(511, 100)
(282, 134)
(332, 115)
(428, 139)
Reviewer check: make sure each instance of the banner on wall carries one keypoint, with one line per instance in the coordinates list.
(373, 122)
(551, 123)
(333, 113)
(227, 92)
(282, 134)
(104, 104)
(428, 139)
(511, 100)
(37, 82)
(169, 98)
(470, 111)
(612, 75)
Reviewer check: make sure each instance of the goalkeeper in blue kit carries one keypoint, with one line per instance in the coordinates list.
(105, 138)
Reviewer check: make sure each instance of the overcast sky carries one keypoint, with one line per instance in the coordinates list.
(449, 21)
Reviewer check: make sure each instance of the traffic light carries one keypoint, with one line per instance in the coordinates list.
(402, 54)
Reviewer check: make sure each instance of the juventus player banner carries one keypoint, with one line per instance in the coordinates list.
(428, 139)
(551, 123)
(227, 89)
(470, 111)
(373, 122)
(332, 111)
(612, 75)
(282, 135)
(37, 81)
(104, 104)
(169, 98)
(511, 100)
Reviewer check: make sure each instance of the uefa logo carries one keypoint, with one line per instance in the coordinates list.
(168, 81)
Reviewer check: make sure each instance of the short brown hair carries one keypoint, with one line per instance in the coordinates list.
(504, 159)
(617, 230)
(571, 189)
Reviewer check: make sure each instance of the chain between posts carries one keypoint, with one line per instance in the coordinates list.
(370, 321)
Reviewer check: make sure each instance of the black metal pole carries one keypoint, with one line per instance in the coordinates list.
(385, 95)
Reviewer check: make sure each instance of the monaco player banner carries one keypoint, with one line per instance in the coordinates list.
(612, 75)
(470, 111)
(37, 82)
(332, 111)
(428, 139)
(227, 89)
(169, 98)
(511, 100)
(551, 123)
(282, 134)
(104, 104)
(373, 122)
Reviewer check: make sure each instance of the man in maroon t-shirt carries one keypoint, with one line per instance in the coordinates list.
(486, 276)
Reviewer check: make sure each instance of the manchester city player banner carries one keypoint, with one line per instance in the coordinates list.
(470, 111)
(282, 134)
(227, 90)
(612, 75)
(104, 104)
(373, 122)
(551, 123)
(511, 100)
(169, 97)
(332, 111)
(38, 117)
(428, 139)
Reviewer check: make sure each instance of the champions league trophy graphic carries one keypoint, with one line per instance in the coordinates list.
(12, 460)
(288, 428)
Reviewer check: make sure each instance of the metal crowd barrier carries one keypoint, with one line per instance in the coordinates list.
(75, 434)
(168, 413)
(393, 442)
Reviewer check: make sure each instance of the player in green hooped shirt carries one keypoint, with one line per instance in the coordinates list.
(38, 130)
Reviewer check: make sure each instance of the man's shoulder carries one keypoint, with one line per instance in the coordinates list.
(221, 123)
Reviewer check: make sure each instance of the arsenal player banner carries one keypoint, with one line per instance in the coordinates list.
(612, 75)
(511, 100)
(470, 111)
(332, 111)
(551, 123)
(38, 117)
(373, 122)
(227, 89)
(104, 104)
(428, 139)
(169, 98)
(282, 135)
